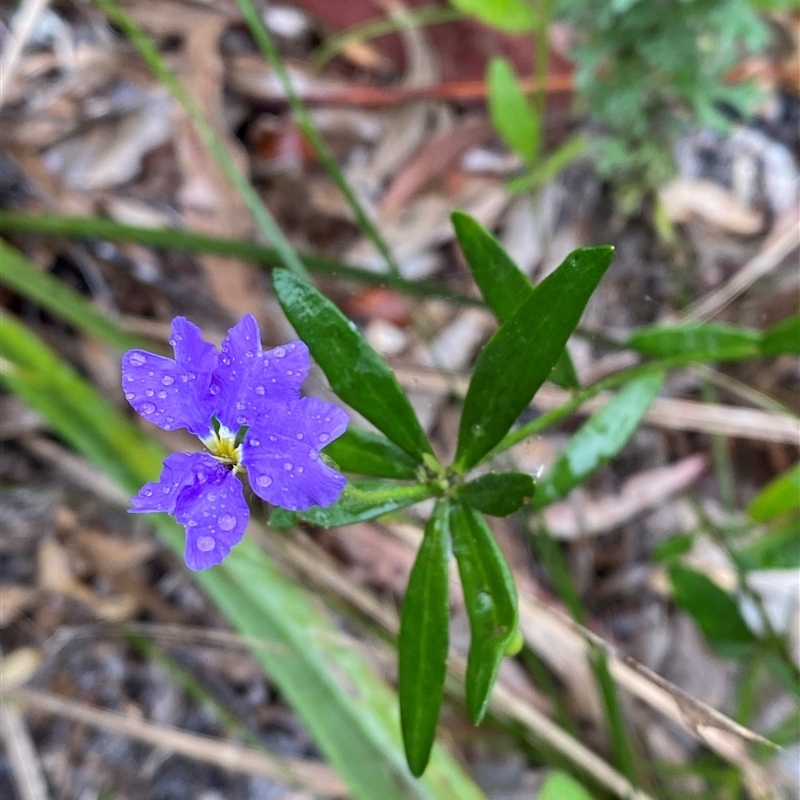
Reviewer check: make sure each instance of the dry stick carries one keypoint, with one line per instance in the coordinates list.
(28, 14)
(316, 778)
(681, 415)
(777, 247)
(22, 754)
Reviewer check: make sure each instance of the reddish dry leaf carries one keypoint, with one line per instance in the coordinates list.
(377, 303)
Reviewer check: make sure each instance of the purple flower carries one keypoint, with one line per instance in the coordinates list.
(245, 406)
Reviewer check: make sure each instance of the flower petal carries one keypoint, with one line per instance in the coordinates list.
(173, 394)
(181, 470)
(248, 377)
(281, 453)
(215, 515)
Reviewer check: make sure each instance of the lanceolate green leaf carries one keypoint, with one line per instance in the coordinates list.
(560, 786)
(491, 599)
(603, 435)
(355, 371)
(714, 610)
(511, 113)
(516, 361)
(422, 646)
(346, 707)
(778, 548)
(366, 453)
(778, 497)
(498, 494)
(361, 500)
(782, 338)
(502, 283)
(515, 16)
(705, 340)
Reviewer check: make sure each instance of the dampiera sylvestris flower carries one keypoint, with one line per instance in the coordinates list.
(245, 406)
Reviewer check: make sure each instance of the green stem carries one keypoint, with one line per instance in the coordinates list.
(306, 125)
(264, 220)
(96, 228)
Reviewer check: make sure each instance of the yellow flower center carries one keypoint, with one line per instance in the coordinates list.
(222, 445)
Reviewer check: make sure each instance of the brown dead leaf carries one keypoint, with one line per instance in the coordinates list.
(686, 198)
(113, 554)
(18, 666)
(14, 600)
(574, 518)
(55, 575)
(210, 203)
(438, 156)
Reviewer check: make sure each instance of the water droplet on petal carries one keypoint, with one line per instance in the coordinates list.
(192, 523)
(172, 342)
(313, 455)
(249, 353)
(263, 481)
(147, 408)
(327, 419)
(137, 359)
(299, 435)
(289, 372)
(323, 437)
(299, 469)
(260, 390)
(205, 543)
(162, 395)
(129, 395)
(273, 438)
(149, 392)
(167, 380)
(215, 388)
(279, 352)
(227, 522)
(287, 465)
(254, 442)
(241, 420)
(148, 492)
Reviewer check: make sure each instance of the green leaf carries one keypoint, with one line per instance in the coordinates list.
(778, 497)
(366, 453)
(560, 786)
(782, 338)
(601, 437)
(714, 610)
(706, 341)
(346, 707)
(422, 646)
(778, 548)
(355, 371)
(512, 115)
(563, 373)
(514, 16)
(515, 362)
(555, 162)
(360, 500)
(500, 280)
(491, 599)
(503, 285)
(498, 494)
